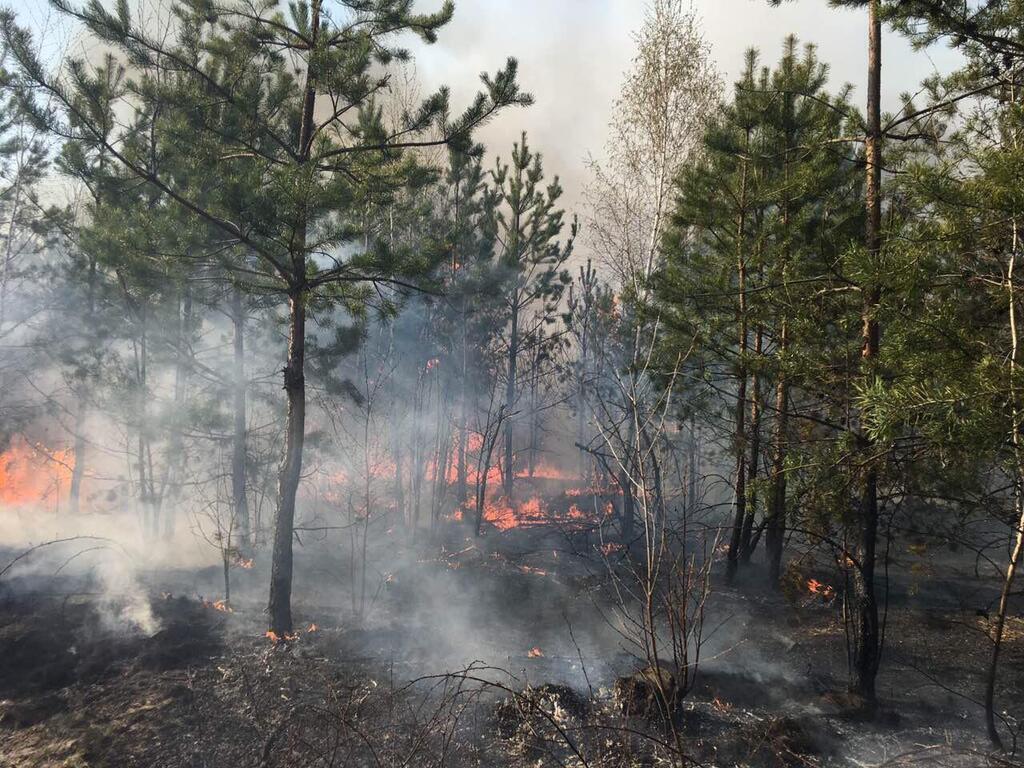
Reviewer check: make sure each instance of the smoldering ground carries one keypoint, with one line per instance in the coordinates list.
(454, 626)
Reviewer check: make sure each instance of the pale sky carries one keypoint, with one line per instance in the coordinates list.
(573, 53)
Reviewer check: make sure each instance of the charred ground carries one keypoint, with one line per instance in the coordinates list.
(515, 672)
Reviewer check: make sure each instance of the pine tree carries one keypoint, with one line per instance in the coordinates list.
(529, 267)
(223, 90)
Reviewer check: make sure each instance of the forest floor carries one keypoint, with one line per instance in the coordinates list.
(435, 673)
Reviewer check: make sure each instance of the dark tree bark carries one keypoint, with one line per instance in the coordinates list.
(867, 639)
(240, 502)
(174, 478)
(279, 607)
(509, 465)
(740, 428)
(461, 478)
(747, 543)
(775, 532)
(82, 395)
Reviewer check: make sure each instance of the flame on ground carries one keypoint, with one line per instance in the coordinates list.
(535, 653)
(277, 639)
(32, 474)
(816, 587)
(218, 605)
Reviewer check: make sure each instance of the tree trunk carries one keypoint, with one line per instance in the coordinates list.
(867, 639)
(279, 608)
(628, 506)
(1004, 600)
(1017, 439)
(740, 428)
(509, 468)
(746, 536)
(238, 455)
(175, 478)
(775, 532)
(693, 466)
(461, 479)
(81, 446)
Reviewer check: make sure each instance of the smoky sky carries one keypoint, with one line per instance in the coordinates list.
(573, 54)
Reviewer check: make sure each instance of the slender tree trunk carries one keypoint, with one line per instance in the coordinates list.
(746, 536)
(81, 413)
(740, 428)
(461, 479)
(147, 488)
(175, 478)
(1017, 439)
(867, 638)
(484, 468)
(79, 450)
(225, 560)
(238, 454)
(509, 467)
(628, 506)
(693, 466)
(775, 532)
(1004, 600)
(279, 607)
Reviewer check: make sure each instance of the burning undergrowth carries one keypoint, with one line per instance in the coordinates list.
(402, 685)
(467, 650)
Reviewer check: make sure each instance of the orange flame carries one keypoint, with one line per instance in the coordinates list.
(535, 653)
(277, 639)
(816, 587)
(30, 474)
(218, 605)
(312, 628)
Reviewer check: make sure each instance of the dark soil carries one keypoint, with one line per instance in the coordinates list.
(206, 688)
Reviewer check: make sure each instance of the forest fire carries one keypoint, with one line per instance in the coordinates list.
(820, 589)
(217, 605)
(275, 639)
(534, 511)
(32, 474)
(551, 428)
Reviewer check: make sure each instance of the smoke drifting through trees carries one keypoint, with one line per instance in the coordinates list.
(778, 320)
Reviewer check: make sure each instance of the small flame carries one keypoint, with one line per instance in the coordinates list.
(535, 653)
(276, 639)
(243, 562)
(720, 705)
(312, 627)
(218, 605)
(816, 587)
(531, 569)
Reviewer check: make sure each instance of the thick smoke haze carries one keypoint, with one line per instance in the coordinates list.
(573, 53)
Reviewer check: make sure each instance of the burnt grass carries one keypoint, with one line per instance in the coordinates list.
(206, 688)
